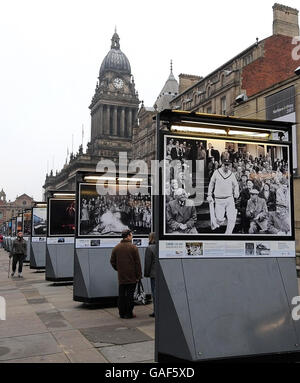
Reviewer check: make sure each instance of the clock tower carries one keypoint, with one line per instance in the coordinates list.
(114, 106)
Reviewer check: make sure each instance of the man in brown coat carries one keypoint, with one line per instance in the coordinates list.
(126, 260)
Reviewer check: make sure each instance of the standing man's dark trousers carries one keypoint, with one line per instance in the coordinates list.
(17, 258)
(126, 301)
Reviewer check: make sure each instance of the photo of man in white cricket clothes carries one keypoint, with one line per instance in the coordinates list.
(222, 190)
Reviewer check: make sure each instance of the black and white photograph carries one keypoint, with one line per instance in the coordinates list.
(137, 241)
(224, 187)
(61, 217)
(95, 242)
(194, 249)
(108, 215)
(27, 223)
(39, 221)
(249, 248)
(263, 248)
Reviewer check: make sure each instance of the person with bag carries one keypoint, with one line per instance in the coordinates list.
(149, 269)
(18, 254)
(125, 260)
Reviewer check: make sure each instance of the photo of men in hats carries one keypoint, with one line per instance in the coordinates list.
(257, 213)
(279, 221)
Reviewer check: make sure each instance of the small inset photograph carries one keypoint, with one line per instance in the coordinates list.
(263, 248)
(61, 240)
(249, 248)
(137, 242)
(95, 242)
(194, 249)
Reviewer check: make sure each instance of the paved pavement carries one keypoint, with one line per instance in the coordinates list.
(44, 325)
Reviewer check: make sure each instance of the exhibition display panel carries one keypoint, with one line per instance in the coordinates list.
(60, 236)
(27, 231)
(226, 249)
(38, 236)
(105, 206)
(19, 222)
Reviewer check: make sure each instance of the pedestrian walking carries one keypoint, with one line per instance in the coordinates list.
(149, 269)
(18, 254)
(125, 260)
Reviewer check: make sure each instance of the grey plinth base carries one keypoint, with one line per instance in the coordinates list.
(59, 262)
(95, 281)
(38, 255)
(209, 309)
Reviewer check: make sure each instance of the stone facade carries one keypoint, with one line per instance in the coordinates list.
(114, 109)
(10, 209)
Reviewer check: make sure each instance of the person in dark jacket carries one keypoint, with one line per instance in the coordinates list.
(125, 260)
(18, 254)
(149, 269)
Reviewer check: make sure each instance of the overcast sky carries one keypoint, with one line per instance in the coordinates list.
(51, 52)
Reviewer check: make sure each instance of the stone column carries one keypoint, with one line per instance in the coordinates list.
(93, 127)
(97, 123)
(115, 121)
(129, 122)
(107, 122)
(100, 128)
(122, 122)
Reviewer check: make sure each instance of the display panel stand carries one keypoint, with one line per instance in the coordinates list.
(27, 259)
(212, 307)
(60, 236)
(59, 260)
(95, 281)
(38, 253)
(100, 219)
(38, 236)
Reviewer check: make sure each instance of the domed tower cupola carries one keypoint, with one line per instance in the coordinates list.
(115, 60)
(114, 105)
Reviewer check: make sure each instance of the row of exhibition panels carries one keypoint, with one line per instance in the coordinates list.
(51, 231)
(221, 303)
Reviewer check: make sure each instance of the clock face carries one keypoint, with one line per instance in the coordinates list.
(118, 83)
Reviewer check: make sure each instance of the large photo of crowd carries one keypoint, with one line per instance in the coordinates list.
(61, 217)
(109, 215)
(245, 188)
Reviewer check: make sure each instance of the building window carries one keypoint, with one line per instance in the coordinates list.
(223, 105)
(1, 215)
(209, 110)
(24, 203)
